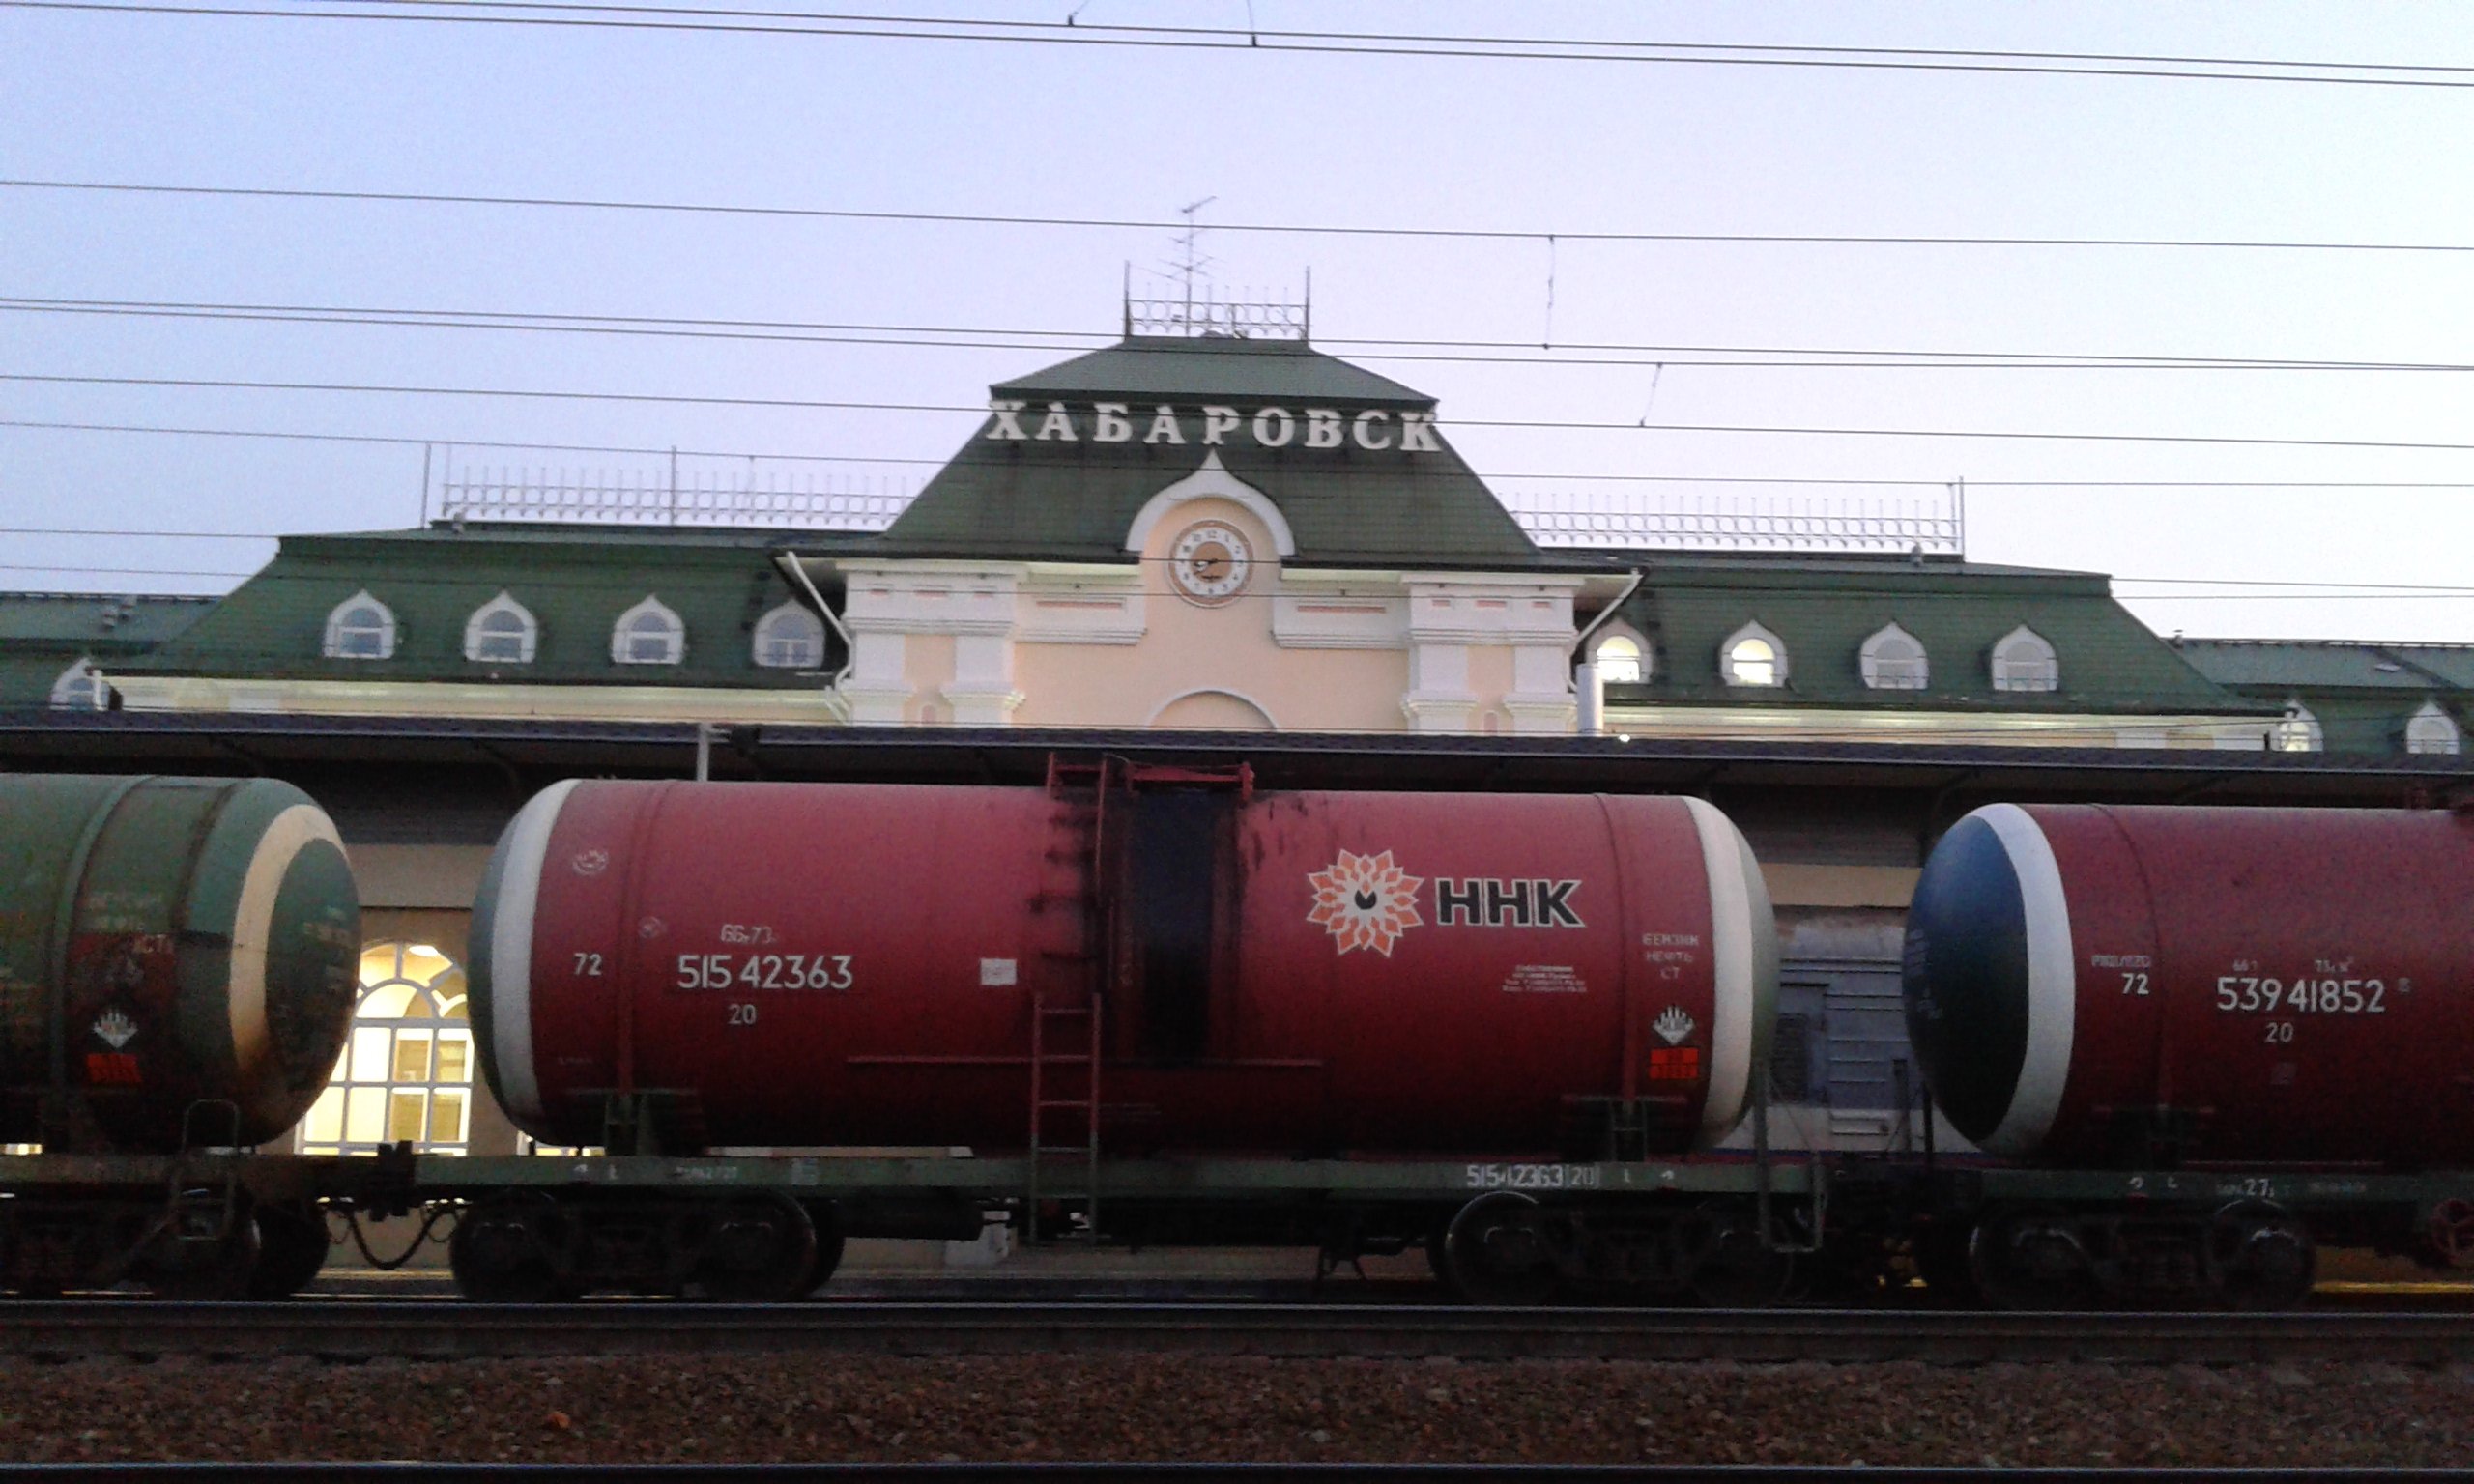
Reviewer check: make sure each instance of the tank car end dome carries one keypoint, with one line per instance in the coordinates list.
(1990, 991)
(1743, 929)
(500, 979)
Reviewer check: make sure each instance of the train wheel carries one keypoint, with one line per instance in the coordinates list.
(211, 1268)
(1491, 1252)
(760, 1251)
(292, 1250)
(1730, 1267)
(2260, 1257)
(502, 1252)
(828, 1247)
(2030, 1260)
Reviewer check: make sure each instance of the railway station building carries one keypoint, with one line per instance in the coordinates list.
(1236, 545)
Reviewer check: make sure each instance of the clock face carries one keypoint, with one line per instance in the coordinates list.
(1210, 563)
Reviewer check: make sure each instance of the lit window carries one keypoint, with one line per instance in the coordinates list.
(648, 633)
(1621, 660)
(1893, 660)
(789, 638)
(407, 1071)
(81, 687)
(1752, 655)
(2024, 662)
(501, 632)
(361, 628)
(2298, 731)
(2433, 730)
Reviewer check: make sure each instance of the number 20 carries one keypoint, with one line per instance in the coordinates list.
(742, 1015)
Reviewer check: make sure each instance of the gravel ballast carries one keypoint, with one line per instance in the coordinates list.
(711, 1408)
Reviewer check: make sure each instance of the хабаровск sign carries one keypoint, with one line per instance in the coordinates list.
(1270, 427)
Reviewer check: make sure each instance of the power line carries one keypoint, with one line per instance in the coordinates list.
(934, 336)
(1139, 224)
(2281, 589)
(1800, 481)
(1560, 424)
(612, 17)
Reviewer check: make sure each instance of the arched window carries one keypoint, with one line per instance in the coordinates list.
(502, 632)
(1894, 660)
(1621, 660)
(648, 633)
(81, 688)
(2298, 732)
(361, 628)
(789, 638)
(2433, 730)
(2024, 662)
(1752, 655)
(407, 1071)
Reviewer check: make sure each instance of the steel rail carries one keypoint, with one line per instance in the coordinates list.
(413, 1329)
(1184, 1473)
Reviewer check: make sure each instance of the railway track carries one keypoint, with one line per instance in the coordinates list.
(360, 1330)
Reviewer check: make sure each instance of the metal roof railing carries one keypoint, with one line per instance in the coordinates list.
(1746, 522)
(671, 498)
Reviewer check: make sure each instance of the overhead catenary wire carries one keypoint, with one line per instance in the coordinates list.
(1144, 224)
(823, 404)
(409, 440)
(682, 20)
(943, 337)
(2281, 590)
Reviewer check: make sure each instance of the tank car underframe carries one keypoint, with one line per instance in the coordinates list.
(755, 1227)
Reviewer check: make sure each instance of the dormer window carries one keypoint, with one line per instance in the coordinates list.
(2298, 731)
(361, 628)
(789, 638)
(2024, 662)
(648, 633)
(1753, 656)
(1621, 660)
(2433, 730)
(1894, 660)
(501, 632)
(81, 687)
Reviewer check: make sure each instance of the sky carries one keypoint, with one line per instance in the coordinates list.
(2198, 532)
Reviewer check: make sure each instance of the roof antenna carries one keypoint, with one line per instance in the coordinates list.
(1190, 261)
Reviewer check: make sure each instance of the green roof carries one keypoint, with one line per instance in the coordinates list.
(42, 634)
(2319, 664)
(1824, 610)
(1245, 373)
(1348, 505)
(2361, 693)
(575, 582)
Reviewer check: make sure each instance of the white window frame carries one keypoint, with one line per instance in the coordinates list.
(1871, 661)
(336, 629)
(623, 632)
(436, 1027)
(2297, 731)
(2433, 730)
(1618, 634)
(2040, 657)
(476, 631)
(811, 631)
(1727, 671)
(82, 687)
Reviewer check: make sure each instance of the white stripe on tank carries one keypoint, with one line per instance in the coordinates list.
(2053, 983)
(511, 948)
(286, 835)
(1732, 992)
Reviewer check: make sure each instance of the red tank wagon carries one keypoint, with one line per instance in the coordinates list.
(2104, 985)
(1288, 973)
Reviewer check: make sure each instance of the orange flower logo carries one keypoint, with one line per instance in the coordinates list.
(1366, 901)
